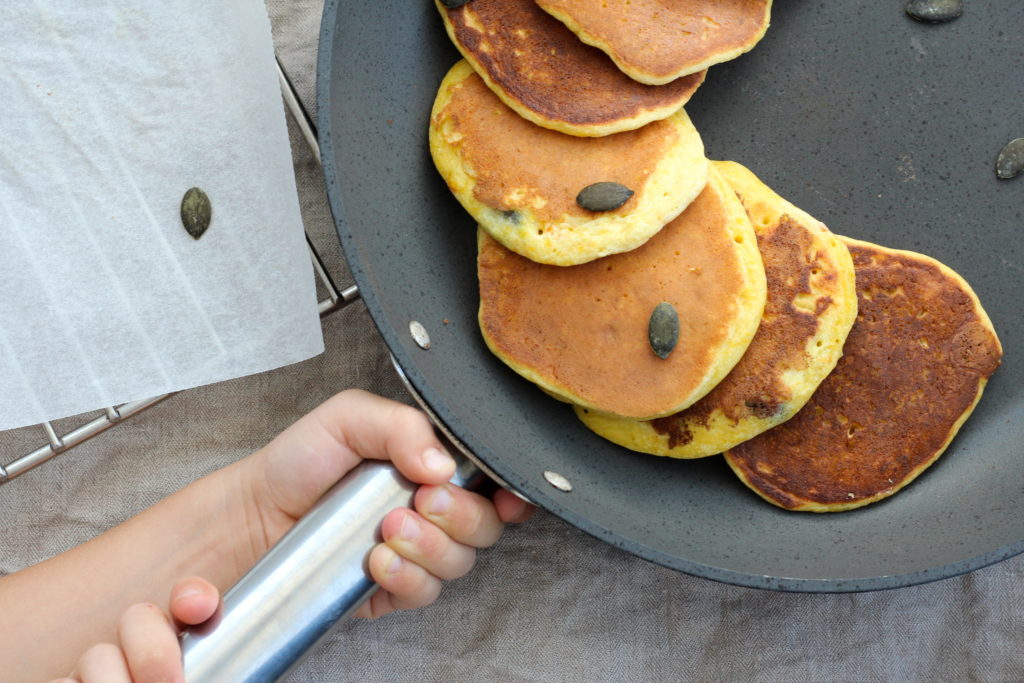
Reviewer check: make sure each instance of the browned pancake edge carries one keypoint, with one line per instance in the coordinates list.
(546, 167)
(657, 42)
(539, 68)
(792, 318)
(914, 366)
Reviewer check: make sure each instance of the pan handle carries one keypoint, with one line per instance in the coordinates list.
(309, 580)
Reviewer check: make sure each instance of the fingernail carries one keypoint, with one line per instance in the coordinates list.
(394, 564)
(410, 529)
(188, 593)
(441, 502)
(437, 461)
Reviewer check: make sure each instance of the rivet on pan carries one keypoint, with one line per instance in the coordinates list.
(558, 481)
(419, 334)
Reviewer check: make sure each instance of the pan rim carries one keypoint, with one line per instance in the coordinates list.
(535, 493)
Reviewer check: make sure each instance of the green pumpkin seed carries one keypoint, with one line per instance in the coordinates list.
(935, 11)
(453, 4)
(511, 215)
(1010, 162)
(663, 329)
(604, 196)
(196, 212)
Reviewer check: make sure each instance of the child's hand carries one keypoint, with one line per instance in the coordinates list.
(436, 542)
(149, 648)
(221, 524)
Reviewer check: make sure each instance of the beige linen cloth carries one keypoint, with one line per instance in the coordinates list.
(548, 603)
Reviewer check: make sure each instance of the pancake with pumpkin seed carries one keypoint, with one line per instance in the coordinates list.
(546, 75)
(913, 368)
(811, 306)
(581, 333)
(657, 42)
(520, 182)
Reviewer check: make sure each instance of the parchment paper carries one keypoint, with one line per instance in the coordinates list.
(112, 110)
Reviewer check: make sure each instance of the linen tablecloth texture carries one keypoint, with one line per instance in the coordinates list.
(548, 603)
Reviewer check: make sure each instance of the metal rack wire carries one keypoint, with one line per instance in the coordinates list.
(112, 416)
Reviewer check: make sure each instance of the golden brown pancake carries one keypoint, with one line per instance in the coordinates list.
(581, 333)
(913, 368)
(543, 72)
(520, 182)
(659, 41)
(811, 306)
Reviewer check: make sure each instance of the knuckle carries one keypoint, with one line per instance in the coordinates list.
(410, 582)
(150, 655)
(425, 594)
(422, 498)
(141, 608)
(462, 561)
(347, 395)
(136, 612)
(468, 564)
(380, 605)
(379, 557)
(408, 417)
(98, 653)
(494, 534)
(340, 399)
(104, 649)
(474, 523)
(432, 546)
(347, 400)
(145, 659)
(152, 664)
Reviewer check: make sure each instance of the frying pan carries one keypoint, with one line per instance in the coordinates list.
(885, 129)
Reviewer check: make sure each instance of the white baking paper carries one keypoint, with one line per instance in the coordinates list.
(109, 111)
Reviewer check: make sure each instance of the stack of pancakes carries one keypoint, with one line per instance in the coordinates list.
(829, 372)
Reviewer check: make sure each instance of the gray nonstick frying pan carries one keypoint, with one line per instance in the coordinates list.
(884, 128)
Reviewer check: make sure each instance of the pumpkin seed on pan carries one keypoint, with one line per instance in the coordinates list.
(454, 4)
(935, 11)
(605, 196)
(1010, 162)
(195, 212)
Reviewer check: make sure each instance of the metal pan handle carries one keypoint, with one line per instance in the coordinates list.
(313, 577)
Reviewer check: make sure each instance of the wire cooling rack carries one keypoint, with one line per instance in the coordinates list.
(111, 416)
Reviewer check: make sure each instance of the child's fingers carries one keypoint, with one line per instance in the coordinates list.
(511, 508)
(423, 543)
(150, 645)
(376, 607)
(193, 601)
(308, 457)
(102, 663)
(381, 429)
(410, 586)
(466, 517)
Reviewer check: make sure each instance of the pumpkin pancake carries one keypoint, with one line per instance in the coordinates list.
(913, 368)
(812, 303)
(659, 41)
(581, 333)
(520, 182)
(543, 72)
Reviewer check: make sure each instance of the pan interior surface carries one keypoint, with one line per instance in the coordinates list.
(883, 128)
